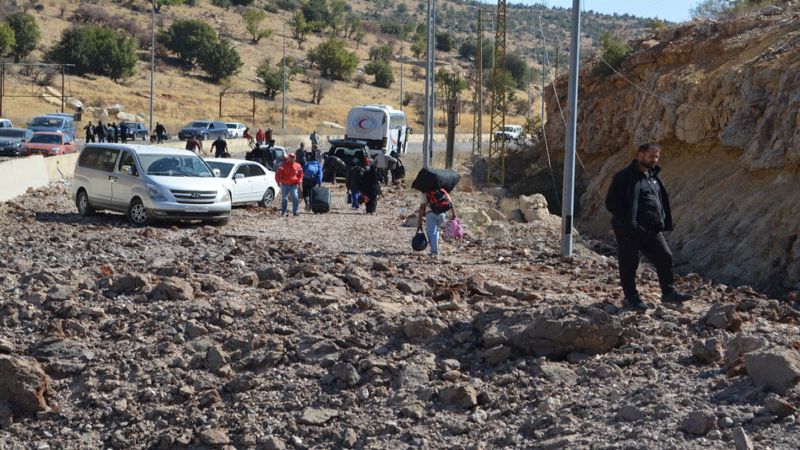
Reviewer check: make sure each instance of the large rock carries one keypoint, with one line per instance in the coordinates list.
(459, 396)
(534, 207)
(63, 357)
(776, 368)
(553, 333)
(699, 422)
(317, 416)
(23, 384)
(723, 316)
(130, 284)
(172, 289)
(740, 345)
(707, 351)
(423, 329)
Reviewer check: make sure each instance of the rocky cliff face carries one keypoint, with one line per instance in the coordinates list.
(723, 100)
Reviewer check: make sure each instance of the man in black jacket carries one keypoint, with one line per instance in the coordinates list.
(639, 203)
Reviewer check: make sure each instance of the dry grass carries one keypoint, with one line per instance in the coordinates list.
(185, 95)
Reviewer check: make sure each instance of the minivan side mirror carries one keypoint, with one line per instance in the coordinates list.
(238, 176)
(216, 173)
(410, 131)
(125, 170)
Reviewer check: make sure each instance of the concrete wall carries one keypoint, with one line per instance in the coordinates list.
(17, 175)
(60, 167)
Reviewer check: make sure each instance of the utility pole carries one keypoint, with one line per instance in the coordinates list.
(62, 88)
(572, 123)
(401, 74)
(428, 133)
(3, 85)
(283, 84)
(152, 60)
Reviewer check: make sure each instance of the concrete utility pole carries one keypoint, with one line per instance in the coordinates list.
(152, 60)
(427, 139)
(401, 74)
(572, 122)
(452, 121)
(283, 84)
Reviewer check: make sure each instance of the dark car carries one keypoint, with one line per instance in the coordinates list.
(270, 157)
(136, 130)
(351, 152)
(204, 129)
(11, 140)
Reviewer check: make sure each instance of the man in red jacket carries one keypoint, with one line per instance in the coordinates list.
(289, 176)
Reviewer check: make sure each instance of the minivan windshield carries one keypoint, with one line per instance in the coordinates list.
(52, 122)
(7, 132)
(224, 168)
(198, 125)
(175, 166)
(45, 139)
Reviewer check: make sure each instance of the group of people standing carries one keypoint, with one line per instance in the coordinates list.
(106, 133)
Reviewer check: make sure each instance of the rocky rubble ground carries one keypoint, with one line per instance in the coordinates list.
(327, 332)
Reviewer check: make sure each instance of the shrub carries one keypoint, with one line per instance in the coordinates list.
(613, 51)
(26, 34)
(188, 39)
(380, 53)
(252, 19)
(271, 79)
(7, 40)
(287, 5)
(97, 50)
(220, 61)
(333, 60)
(384, 77)
(445, 41)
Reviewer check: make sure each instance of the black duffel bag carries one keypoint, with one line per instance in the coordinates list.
(433, 179)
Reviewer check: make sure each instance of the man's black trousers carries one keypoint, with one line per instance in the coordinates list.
(651, 245)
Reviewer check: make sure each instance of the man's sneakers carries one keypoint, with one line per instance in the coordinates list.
(636, 303)
(674, 296)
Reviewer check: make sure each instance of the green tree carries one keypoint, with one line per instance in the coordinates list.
(352, 25)
(613, 52)
(220, 61)
(445, 41)
(300, 28)
(381, 53)
(316, 14)
(26, 34)
(333, 59)
(188, 39)
(468, 49)
(419, 46)
(271, 79)
(336, 16)
(518, 68)
(450, 83)
(7, 40)
(384, 77)
(252, 19)
(97, 50)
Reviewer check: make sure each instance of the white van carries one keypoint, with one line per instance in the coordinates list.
(382, 127)
(149, 183)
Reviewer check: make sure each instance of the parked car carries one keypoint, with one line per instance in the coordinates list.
(149, 183)
(352, 153)
(11, 140)
(510, 133)
(247, 181)
(56, 123)
(204, 129)
(6, 123)
(47, 143)
(136, 130)
(235, 129)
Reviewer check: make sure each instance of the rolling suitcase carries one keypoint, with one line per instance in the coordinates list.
(320, 200)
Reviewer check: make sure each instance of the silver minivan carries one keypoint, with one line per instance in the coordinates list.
(149, 183)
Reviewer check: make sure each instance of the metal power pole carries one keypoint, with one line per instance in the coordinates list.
(401, 75)
(283, 84)
(3, 85)
(62, 88)
(152, 60)
(572, 123)
(428, 133)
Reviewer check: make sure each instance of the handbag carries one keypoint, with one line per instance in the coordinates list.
(453, 229)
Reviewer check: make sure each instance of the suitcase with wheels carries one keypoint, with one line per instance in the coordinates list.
(320, 199)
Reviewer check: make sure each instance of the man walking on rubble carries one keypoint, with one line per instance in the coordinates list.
(639, 204)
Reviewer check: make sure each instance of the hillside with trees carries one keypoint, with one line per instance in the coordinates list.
(337, 54)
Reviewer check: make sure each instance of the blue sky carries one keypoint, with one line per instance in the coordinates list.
(672, 10)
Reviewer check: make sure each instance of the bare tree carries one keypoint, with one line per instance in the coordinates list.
(319, 86)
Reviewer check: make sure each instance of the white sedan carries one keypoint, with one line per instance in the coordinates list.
(247, 181)
(235, 129)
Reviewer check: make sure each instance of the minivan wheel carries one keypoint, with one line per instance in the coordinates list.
(82, 202)
(137, 213)
(267, 199)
